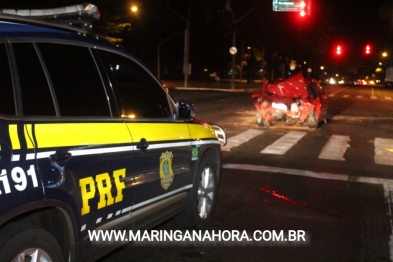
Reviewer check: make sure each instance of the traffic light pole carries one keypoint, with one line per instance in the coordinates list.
(233, 59)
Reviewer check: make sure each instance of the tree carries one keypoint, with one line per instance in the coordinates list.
(112, 23)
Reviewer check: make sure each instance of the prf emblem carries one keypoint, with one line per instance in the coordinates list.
(166, 172)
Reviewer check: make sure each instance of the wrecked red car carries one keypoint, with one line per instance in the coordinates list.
(295, 100)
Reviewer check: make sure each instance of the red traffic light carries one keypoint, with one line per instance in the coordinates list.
(368, 49)
(305, 7)
(338, 50)
(302, 6)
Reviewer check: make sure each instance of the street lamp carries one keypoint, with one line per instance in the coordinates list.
(186, 35)
(385, 55)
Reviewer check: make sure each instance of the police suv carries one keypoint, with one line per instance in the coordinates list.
(91, 141)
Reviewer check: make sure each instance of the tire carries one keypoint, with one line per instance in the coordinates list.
(266, 123)
(203, 196)
(260, 121)
(20, 242)
(312, 120)
(259, 118)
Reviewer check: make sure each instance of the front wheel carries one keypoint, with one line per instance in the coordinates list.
(203, 196)
(259, 118)
(21, 242)
(261, 121)
(312, 120)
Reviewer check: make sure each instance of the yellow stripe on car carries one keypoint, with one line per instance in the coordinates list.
(77, 134)
(13, 131)
(169, 131)
(51, 135)
(28, 134)
(201, 131)
(159, 131)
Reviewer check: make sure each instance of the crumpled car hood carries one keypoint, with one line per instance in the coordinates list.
(294, 87)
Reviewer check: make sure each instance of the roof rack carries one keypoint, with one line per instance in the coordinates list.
(80, 15)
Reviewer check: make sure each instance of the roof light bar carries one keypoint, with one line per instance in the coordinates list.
(88, 12)
(80, 15)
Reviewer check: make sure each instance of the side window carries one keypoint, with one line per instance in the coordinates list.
(7, 102)
(75, 79)
(36, 96)
(138, 94)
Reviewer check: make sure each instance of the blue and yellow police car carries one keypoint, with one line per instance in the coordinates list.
(91, 141)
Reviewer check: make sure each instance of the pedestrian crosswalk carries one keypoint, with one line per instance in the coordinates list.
(383, 151)
(283, 144)
(334, 148)
(241, 138)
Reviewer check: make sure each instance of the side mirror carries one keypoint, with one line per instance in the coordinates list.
(184, 109)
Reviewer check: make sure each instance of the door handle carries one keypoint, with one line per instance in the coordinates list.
(143, 145)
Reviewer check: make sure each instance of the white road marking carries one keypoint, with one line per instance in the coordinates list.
(282, 145)
(340, 90)
(359, 96)
(388, 98)
(373, 94)
(241, 138)
(345, 96)
(386, 183)
(335, 148)
(383, 151)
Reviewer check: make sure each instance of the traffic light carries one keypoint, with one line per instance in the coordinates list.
(338, 50)
(305, 7)
(367, 50)
(302, 8)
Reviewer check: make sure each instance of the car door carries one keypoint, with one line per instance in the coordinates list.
(162, 145)
(318, 99)
(324, 101)
(83, 154)
(19, 181)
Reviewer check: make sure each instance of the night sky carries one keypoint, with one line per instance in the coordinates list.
(359, 21)
(352, 18)
(351, 23)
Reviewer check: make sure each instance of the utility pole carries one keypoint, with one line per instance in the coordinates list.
(186, 36)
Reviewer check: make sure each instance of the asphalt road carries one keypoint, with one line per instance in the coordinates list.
(342, 205)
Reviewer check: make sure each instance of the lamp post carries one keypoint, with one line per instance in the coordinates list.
(186, 36)
(158, 55)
